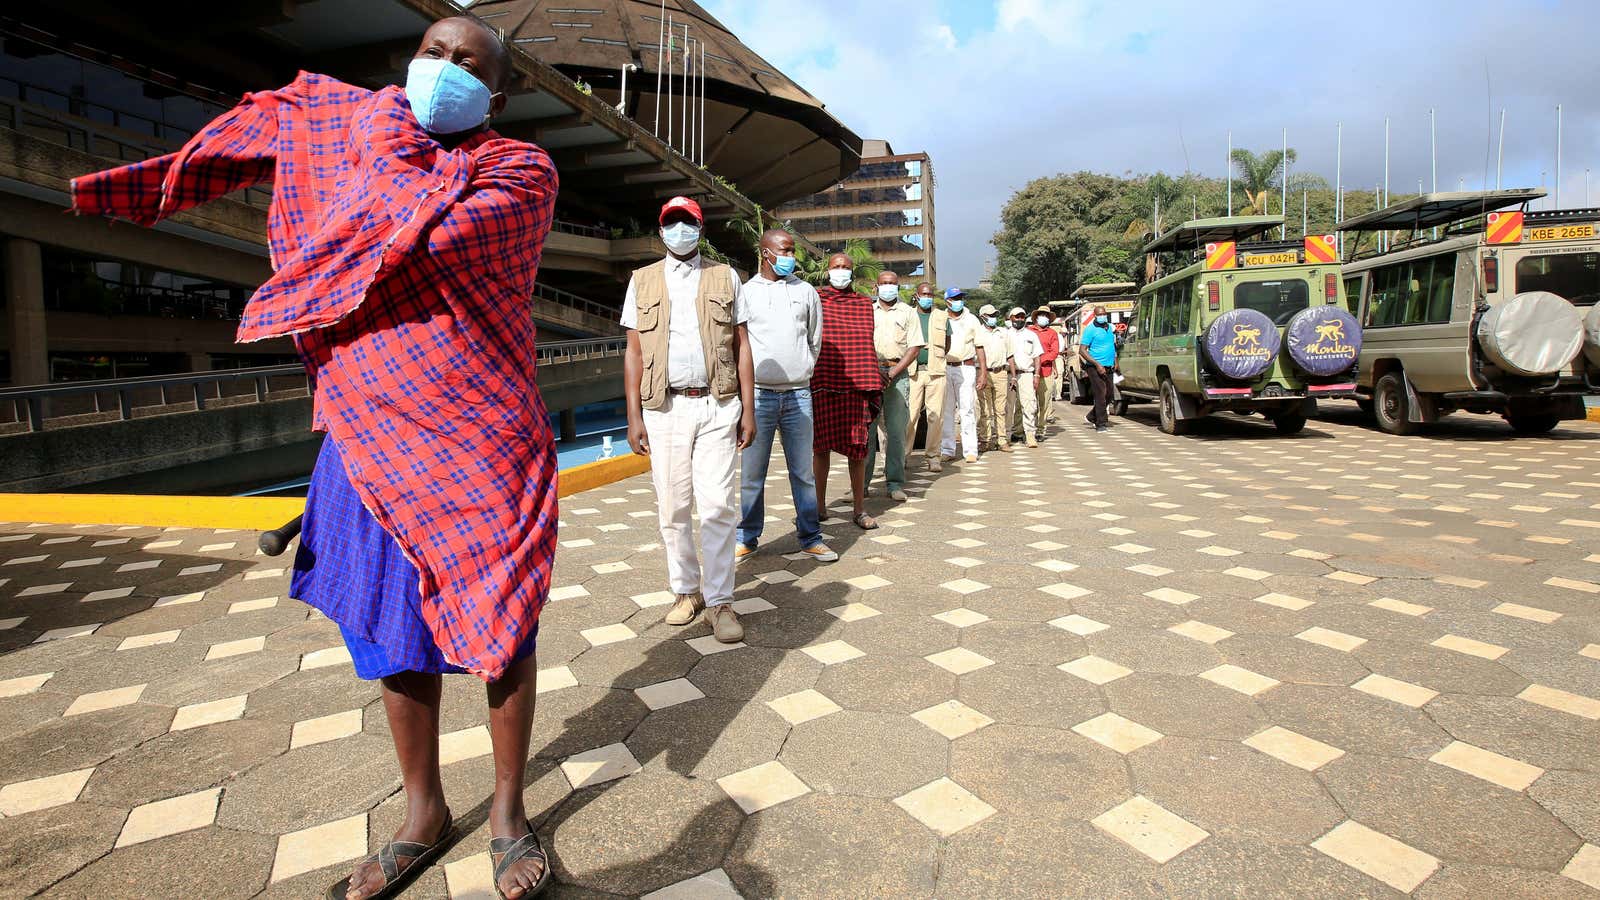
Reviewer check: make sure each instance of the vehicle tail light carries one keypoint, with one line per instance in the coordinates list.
(1491, 274)
(1213, 295)
(1330, 287)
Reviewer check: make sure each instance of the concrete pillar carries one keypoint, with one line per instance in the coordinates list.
(24, 287)
(569, 426)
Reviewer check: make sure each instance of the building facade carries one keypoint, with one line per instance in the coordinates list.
(89, 84)
(888, 203)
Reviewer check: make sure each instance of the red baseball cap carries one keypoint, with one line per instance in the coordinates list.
(683, 203)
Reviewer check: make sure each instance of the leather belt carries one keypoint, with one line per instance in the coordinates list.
(997, 368)
(690, 392)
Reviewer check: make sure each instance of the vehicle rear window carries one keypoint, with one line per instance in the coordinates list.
(1575, 276)
(1278, 300)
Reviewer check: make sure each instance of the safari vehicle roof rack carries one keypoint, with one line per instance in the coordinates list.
(1434, 210)
(1196, 233)
(1086, 291)
(1274, 245)
(1561, 216)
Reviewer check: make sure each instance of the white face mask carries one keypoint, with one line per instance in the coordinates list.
(680, 237)
(840, 278)
(888, 293)
(1043, 322)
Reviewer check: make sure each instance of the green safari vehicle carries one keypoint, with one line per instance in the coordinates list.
(1245, 327)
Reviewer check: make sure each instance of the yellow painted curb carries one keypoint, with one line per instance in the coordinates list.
(589, 476)
(1592, 413)
(250, 513)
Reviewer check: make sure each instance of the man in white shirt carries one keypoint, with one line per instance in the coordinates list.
(897, 338)
(966, 373)
(690, 389)
(1025, 353)
(785, 329)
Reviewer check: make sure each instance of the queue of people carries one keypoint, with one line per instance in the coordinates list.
(717, 369)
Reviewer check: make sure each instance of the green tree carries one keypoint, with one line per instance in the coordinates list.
(1258, 175)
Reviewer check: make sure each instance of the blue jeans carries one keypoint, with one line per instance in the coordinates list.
(789, 414)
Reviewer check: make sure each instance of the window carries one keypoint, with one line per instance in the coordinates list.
(1147, 324)
(1415, 292)
(1352, 294)
(1575, 276)
(1277, 300)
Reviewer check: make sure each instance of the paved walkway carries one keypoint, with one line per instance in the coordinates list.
(1120, 665)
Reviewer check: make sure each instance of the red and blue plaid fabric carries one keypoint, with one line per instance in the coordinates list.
(848, 361)
(405, 273)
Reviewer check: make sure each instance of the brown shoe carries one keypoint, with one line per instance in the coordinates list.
(1005, 448)
(725, 624)
(684, 610)
(740, 551)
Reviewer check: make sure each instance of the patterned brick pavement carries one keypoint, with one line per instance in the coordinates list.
(1119, 665)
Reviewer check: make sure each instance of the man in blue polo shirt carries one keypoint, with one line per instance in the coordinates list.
(1098, 347)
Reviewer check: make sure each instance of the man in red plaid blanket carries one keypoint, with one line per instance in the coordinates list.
(405, 237)
(846, 386)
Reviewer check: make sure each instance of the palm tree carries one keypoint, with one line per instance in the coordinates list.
(1258, 176)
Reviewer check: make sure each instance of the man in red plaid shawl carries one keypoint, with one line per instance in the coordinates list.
(405, 238)
(846, 386)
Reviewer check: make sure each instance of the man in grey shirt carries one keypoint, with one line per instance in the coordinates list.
(785, 327)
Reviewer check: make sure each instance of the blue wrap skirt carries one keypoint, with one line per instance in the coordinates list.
(355, 573)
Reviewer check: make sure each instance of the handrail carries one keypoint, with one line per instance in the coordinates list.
(593, 231)
(569, 299)
(33, 397)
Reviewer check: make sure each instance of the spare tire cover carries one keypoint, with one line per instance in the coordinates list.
(1323, 340)
(1591, 335)
(1536, 333)
(1241, 344)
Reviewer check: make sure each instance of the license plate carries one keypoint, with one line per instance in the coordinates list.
(1559, 232)
(1288, 258)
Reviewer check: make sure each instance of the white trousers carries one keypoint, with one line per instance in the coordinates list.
(1024, 396)
(693, 444)
(960, 401)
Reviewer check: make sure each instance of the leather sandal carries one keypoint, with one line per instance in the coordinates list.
(514, 850)
(396, 876)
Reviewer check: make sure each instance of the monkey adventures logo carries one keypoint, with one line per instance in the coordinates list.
(1330, 341)
(1246, 343)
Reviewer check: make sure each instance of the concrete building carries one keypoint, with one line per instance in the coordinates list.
(86, 84)
(887, 202)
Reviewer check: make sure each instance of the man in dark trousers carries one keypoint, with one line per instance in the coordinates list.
(1098, 347)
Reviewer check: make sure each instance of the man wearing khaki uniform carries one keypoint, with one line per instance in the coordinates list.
(926, 394)
(897, 336)
(1025, 354)
(993, 430)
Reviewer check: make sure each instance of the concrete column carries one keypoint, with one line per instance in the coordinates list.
(569, 426)
(24, 287)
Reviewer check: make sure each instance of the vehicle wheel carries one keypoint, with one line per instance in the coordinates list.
(1170, 423)
(1533, 423)
(1243, 413)
(1118, 407)
(1289, 422)
(1389, 405)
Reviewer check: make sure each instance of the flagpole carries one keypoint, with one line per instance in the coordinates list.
(685, 87)
(1230, 173)
(1338, 186)
(1283, 205)
(672, 43)
(1558, 157)
(661, 44)
(1500, 156)
(1433, 159)
(703, 82)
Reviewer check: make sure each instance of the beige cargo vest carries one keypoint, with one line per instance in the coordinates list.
(715, 312)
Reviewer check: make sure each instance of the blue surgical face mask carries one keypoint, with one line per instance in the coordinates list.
(445, 98)
(925, 302)
(783, 266)
(888, 293)
(680, 237)
(1101, 320)
(957, 305)
(991, 321)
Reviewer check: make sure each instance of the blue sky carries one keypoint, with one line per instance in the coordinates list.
(1003, 91)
